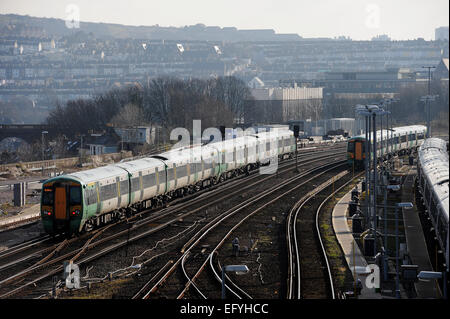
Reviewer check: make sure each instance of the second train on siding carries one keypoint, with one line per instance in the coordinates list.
(402, 139)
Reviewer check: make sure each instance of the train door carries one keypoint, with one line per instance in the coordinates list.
(60, 203)
(358, 151)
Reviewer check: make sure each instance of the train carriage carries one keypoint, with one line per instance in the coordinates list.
(147, 178)
(433, 183)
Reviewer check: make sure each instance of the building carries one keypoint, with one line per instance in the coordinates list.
(281, 105)
(441, 34)
(102, 144)
(441, 71)
(136, 135)
(382, 37)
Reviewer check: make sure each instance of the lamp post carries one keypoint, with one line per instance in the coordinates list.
(42, 134)
(362, 110)
(427, 99)
(397, 278)
(43, 155)
(428, 111)
(81, 150)
(240, 269)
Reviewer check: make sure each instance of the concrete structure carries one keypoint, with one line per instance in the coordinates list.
(441, 34)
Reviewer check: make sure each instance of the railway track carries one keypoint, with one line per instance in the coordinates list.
(310, 273)
(89, 245)
(195, 250)
(29, 250)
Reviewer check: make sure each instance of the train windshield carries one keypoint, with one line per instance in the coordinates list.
(48, 197)
(75, 195)
(351, 146)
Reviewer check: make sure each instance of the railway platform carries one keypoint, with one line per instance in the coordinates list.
(25, 216)
(353, 255)
(415, 239)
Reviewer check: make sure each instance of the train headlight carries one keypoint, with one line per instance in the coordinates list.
(47, 213)
(75, 213)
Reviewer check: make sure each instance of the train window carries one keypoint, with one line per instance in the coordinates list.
(403, 139)
(170, 174)
(75, 195)
(148, 180)
(412, 137)
(162, 177)
(181, 171)
(124, 187)
(396, 140)
(91, 195)
(280, 143)
(420, 136)
(351, 146)
(442, 228)
(47, 196)
(135, 184)
(108, 191)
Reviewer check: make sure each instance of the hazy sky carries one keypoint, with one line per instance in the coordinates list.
(359, 19)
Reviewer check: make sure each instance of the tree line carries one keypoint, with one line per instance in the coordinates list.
(165, 101)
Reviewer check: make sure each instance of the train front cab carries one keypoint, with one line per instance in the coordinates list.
(356, 153)
(61, 206)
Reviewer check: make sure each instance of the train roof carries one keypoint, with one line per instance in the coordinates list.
(433, 158)
(396, 131)
(140, 164)
(96, 174)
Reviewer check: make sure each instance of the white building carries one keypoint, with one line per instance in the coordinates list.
(441, 34)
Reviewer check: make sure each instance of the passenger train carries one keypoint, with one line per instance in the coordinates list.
(433, 183)
(403, 139)
(80, 201)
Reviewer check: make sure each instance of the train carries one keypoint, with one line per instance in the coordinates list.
(81, 201)
(403, 139)
(433, 184)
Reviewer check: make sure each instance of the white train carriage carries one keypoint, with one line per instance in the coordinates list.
(147, 178)
(433, 180)
(267, 147)
(286, 143)
(210, 161)
(177, 168)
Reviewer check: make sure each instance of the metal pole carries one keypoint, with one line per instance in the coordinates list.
(385, 272)
(42, 134)
(397, 283)
(366, 163)
(374, 184)
(81, 151)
